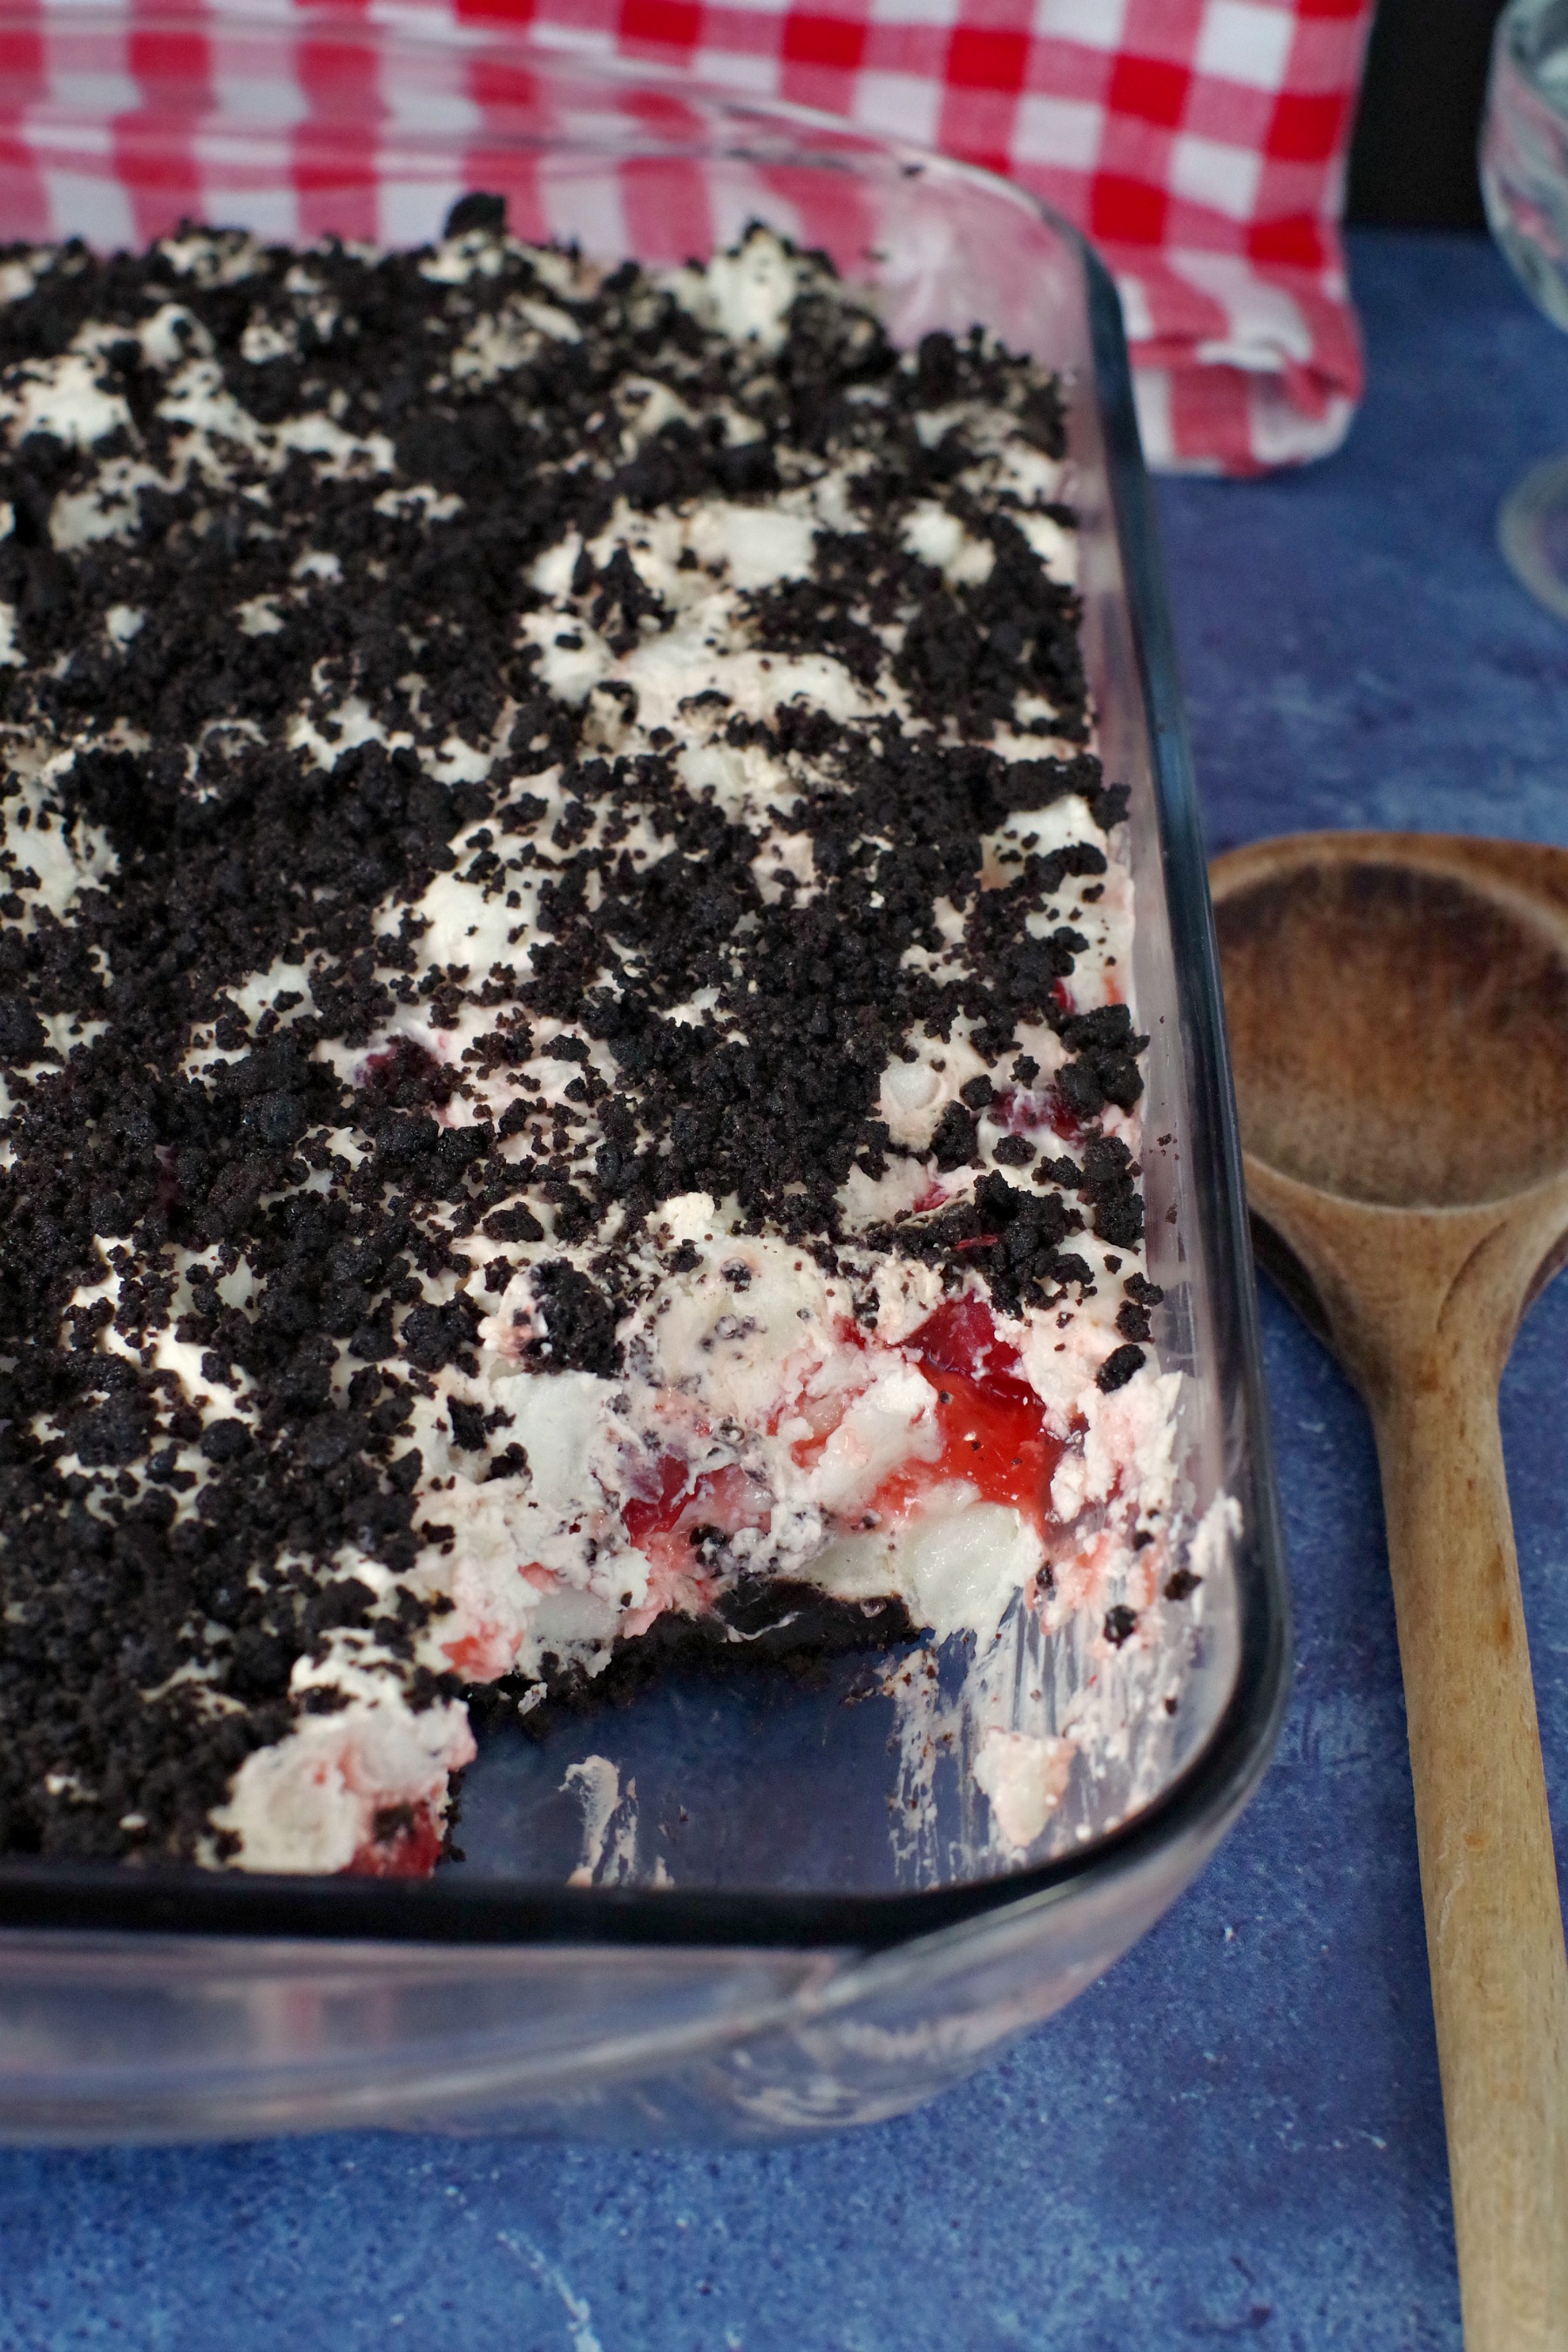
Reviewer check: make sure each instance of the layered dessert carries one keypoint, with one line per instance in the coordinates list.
(571, 1090)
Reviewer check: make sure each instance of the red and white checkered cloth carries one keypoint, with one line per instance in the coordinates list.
(1200, 143)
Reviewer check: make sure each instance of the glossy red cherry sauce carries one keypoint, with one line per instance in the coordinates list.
(411, 1852)
(993, 1424)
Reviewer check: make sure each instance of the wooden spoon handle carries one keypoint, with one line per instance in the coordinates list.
(1494, 1925)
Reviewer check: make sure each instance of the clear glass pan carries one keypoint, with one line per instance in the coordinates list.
(801, 1972)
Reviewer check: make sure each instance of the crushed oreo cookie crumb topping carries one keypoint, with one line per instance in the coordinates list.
(497, 752)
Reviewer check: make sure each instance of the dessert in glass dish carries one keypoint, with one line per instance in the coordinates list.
(572, 1092)
(740, 1903)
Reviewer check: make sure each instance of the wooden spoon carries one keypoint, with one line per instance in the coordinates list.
(1398, 1015)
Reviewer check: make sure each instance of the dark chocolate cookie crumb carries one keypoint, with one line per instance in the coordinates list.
(1118, 1369)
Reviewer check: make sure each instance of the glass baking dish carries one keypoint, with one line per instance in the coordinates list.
(805, 1968)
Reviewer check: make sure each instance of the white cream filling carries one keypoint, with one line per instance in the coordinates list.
(310, 1802)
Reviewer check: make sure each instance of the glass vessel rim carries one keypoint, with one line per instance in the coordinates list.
(831, 142)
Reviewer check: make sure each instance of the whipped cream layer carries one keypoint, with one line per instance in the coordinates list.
(565, 1016)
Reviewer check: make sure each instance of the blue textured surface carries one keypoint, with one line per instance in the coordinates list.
(1238, 2135)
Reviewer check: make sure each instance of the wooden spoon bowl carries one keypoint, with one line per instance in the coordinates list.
(1434, 1069)
(1398, 1015)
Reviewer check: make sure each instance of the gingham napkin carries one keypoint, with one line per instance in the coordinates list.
(1200, 143)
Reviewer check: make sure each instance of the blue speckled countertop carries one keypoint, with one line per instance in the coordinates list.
(1237, 2134)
